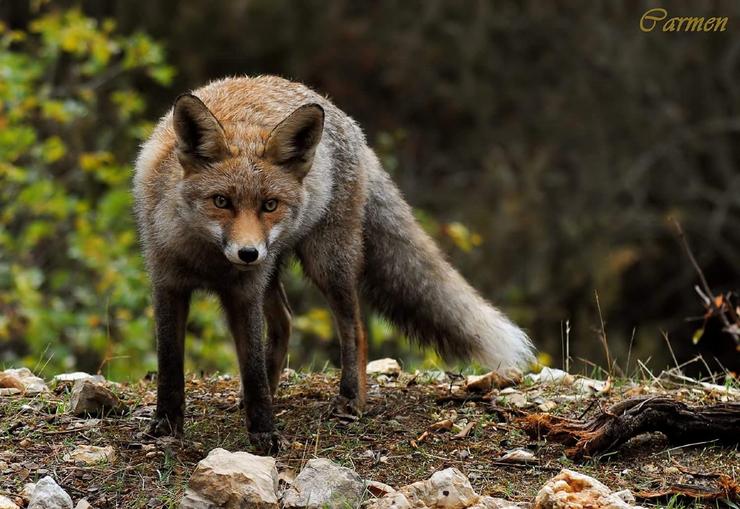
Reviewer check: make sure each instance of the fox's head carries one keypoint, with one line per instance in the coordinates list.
(244, 200)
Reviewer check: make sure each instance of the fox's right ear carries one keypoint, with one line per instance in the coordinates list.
(200, 137)
(292, 143)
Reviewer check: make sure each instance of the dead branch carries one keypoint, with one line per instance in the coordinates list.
(679, 422)
(731, 328)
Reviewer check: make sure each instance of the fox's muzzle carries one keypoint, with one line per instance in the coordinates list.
(245, 256)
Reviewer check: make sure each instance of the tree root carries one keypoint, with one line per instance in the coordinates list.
(679, 422)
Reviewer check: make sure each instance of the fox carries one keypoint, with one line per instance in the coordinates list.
(243, 174)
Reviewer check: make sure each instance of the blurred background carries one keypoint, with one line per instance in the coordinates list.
(546, 147)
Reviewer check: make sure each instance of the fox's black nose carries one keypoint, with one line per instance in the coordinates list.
(248, 254)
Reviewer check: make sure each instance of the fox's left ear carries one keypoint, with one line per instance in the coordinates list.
(293, 142)
(200, 137)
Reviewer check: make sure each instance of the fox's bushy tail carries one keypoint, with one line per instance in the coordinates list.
(407, 279)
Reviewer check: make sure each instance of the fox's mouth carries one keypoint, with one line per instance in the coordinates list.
(245, 267)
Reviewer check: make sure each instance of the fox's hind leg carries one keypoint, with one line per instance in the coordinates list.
(278, 317)
(334, 265)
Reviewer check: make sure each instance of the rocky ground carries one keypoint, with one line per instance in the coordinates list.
(424, 434)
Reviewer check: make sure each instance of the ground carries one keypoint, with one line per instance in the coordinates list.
(386, 444)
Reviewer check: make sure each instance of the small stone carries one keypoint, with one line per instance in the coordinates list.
(83, 504)
(591, 386)
(445, 489)
(385, 366)
(547, 406)
(9, 391)
(77, 376)
(6, 503)
(518, 456)
(24, 380)
(323, 484)
(494, 503)
(85, 455)
(27, 491)
(516, 399)
(551, 376)
(232, 480)
(90, 398)
(8, 381)
(571, 489)
(395, 500)
(49, 495)
(379, 489)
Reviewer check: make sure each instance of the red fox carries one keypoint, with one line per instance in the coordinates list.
(244, 172)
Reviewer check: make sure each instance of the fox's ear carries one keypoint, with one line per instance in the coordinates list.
(293, 142)
(200, 137)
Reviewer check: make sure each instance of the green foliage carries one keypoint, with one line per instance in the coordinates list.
(71, 278)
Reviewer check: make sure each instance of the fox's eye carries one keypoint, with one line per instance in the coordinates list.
(221, 201)
(270, 205)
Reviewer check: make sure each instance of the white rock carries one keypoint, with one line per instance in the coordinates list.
(232, 480)
(75, 376)
(379, 489)
(494, 503)
(90, 455)
(514, 398)
(31, 383)
(385, 366)
(27, 491)
(547, 406)
(551, 376)
(49, 495)
(590, 386)
(6, 503)
(9, 391)
(518, 456)
(445, 489)
(83, 504)
(395, 500)
(323, 484)
(571, 489)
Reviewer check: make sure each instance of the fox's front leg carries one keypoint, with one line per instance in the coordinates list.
(245, 317)
(170, 313)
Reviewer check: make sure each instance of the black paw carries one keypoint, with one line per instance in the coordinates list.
(265, 443)
(166, 426)
(344, 406)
